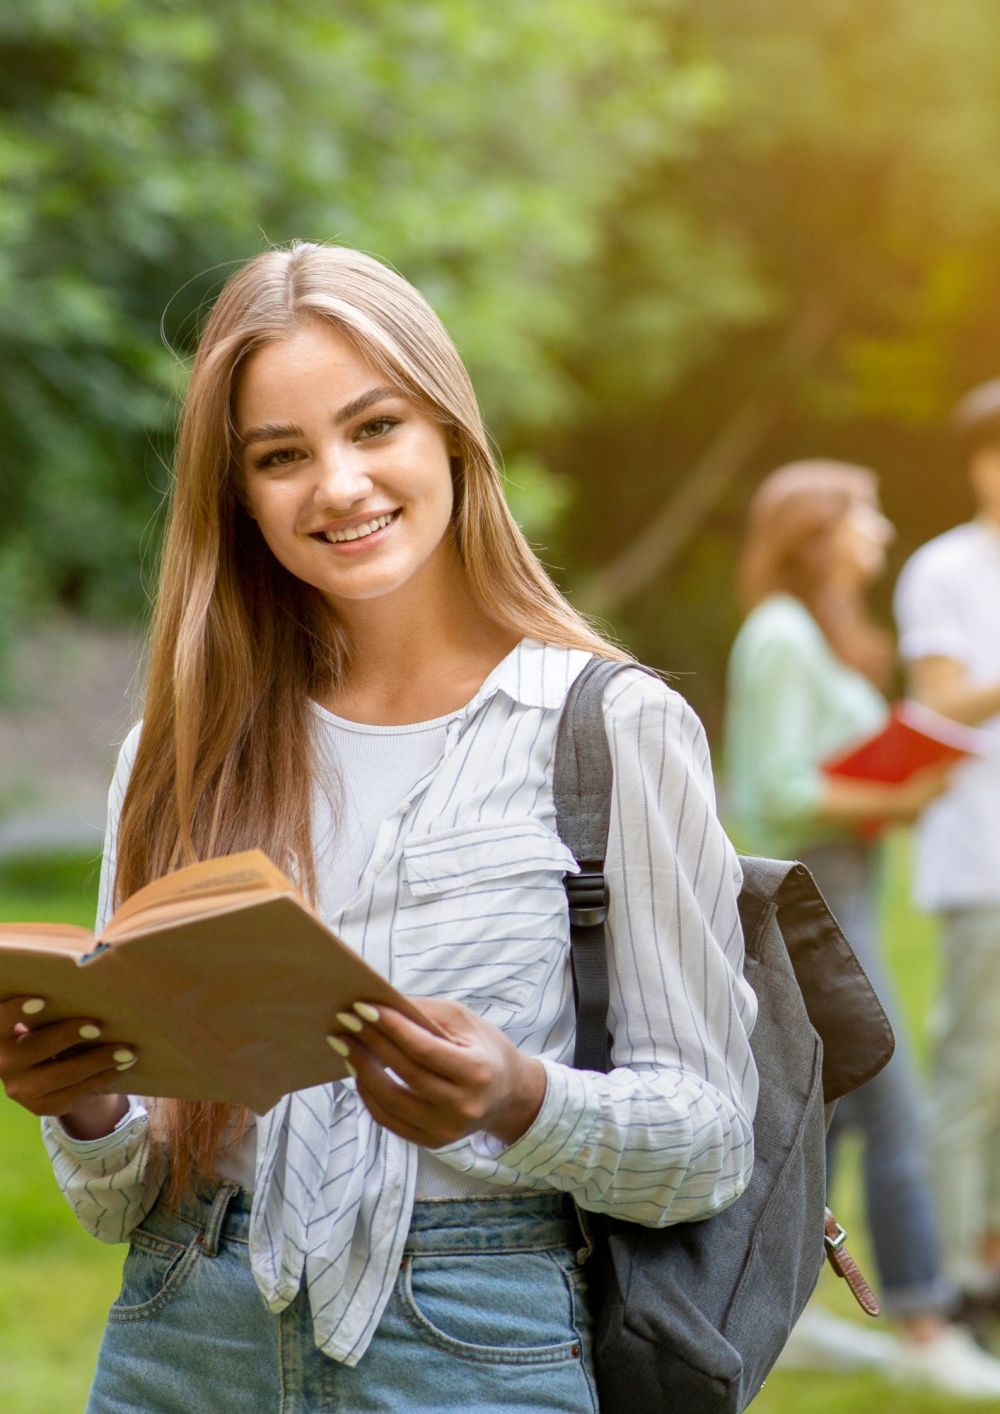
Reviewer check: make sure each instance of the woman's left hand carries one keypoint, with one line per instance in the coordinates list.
(471, 1079)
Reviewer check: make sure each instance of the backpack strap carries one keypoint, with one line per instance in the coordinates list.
(582, 781)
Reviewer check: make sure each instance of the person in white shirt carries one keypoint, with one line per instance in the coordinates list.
(947, 606)
(358, 665)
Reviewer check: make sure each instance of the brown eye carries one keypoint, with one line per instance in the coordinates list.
(282, 457)
(378, 427)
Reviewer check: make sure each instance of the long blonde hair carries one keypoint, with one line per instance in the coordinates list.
(239, 645)
(787, 548)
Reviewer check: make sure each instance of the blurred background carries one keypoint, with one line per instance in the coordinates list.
(677, 242)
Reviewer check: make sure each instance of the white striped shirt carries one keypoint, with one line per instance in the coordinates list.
(463, 897)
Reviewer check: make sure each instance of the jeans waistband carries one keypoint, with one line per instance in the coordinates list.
(525, 1223)
(528, 1222)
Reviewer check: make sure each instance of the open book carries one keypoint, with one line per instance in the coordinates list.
(220, 975)
(914, 739)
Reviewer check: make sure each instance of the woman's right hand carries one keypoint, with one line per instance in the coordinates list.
(56, 1069)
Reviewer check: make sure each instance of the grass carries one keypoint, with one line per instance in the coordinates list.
(58, 1282)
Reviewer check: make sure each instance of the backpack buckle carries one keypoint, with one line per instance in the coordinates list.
(587, 894)
(835, 1236)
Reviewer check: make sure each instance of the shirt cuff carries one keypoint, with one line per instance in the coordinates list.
(558, 1132)
(107, 1143)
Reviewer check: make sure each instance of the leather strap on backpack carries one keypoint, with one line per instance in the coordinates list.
(845, 1266)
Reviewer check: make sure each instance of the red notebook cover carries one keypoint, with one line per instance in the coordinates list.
(913, 739)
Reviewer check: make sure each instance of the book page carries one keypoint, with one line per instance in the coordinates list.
(197, 888)
(47, 937)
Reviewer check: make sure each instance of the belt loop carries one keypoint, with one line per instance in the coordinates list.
(216, 1217)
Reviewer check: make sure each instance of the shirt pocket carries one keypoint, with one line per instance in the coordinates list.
(482, 915)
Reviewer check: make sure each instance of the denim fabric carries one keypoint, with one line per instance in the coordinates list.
(887, 1112)
(488, 1313)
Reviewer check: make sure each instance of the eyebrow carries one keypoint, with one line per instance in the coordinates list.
(275, 431)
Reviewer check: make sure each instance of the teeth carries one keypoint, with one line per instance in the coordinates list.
(358, 532)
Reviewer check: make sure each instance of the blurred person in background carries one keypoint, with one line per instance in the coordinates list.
(807, 678)
(947, 606)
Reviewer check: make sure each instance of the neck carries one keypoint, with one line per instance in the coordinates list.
(419, 653)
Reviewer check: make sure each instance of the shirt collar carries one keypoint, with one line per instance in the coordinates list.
(533, 673)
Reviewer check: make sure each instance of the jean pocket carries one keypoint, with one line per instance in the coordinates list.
(155, 1271)
(516, 1308)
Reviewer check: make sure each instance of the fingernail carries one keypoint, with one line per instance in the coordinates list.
(124, 1057)
(338, 1045)
(126, 1065)
(366, 1011)
(33, 1006)
(90, 1032)
(350, 1070)
(349, 1022)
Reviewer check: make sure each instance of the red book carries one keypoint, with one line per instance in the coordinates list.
(913, 739)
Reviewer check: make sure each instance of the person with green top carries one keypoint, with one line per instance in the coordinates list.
(807, 678)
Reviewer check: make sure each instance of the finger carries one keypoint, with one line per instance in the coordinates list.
(433, 1053)
(417, 1129)
(43, 1043)
(44, 1088)
(428, 1083)
(59, 1102)
(19, 1009)
(407, 1108)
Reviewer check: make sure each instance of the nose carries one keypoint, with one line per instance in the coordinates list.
(341, 478)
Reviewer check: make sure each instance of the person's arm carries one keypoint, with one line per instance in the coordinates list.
(855, 802)
(782, 694)
(934, 643)
(943, 684)
(100, 1148)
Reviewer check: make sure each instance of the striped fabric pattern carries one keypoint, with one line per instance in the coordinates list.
(462, 896)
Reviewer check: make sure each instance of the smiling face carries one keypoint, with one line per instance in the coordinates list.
(349, 482)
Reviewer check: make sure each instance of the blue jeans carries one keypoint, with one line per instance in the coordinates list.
(488, 1313)
(887, 1112)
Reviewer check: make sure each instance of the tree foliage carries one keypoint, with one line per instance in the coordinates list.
(619, 211)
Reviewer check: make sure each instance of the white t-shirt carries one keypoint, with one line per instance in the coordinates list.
(947, 605)
(375, 768)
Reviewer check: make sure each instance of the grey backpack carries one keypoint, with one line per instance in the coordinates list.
(692, 1317)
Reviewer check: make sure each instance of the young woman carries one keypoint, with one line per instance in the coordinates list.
(358, 665)
(806, 679)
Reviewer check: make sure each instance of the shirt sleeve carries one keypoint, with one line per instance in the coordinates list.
(111, 1183)
(781, 695)
(667, 1135)
(929, 617)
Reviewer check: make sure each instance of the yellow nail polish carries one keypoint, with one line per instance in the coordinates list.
(33, 1006)
(90, 1032)
(366, 1011)
(123, 1057)
(126, 1065)
(350, 1070)
(338, 1045)
(349, 1022)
